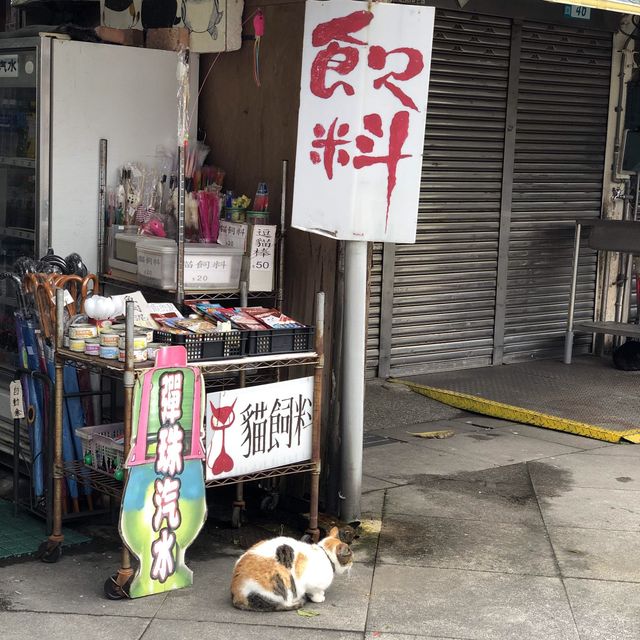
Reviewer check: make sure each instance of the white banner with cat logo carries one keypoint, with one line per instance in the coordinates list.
(258, 428)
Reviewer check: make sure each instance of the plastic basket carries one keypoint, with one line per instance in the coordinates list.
(103, 443)
(206, 346)
(280, 341)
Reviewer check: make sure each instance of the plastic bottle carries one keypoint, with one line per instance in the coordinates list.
(261, 201)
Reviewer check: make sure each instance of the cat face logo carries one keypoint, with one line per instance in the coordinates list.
(221, 419)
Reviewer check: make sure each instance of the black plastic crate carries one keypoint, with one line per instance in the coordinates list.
(280, 341)
(206, 346)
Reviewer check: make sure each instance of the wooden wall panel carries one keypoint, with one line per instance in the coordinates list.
(250, 131)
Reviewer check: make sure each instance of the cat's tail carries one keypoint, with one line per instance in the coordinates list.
(257, 602)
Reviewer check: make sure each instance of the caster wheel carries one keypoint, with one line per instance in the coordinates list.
(113, 591)
(237, 517)
(50, 552)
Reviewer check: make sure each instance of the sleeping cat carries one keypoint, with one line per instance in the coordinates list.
(278, 574)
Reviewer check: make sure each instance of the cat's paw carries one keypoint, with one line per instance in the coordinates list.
(316, 597)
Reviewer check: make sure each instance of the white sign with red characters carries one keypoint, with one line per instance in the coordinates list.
(258, 428)
(361, 126)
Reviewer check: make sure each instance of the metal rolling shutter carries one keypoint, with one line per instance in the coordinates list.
(373, 328)
(559, 157)
(444, 285)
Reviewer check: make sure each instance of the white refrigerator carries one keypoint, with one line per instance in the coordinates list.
(58, 99)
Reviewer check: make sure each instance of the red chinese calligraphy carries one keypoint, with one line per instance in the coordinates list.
(336, 58)
(415, 64)
(165, 501)
(163, 560)
(171, 397)
(398, 132)
(330, 144)
(169, 458)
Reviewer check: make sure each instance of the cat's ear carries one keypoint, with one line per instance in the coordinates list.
(334, 532)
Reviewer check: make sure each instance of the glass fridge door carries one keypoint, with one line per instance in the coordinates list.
(18, 178)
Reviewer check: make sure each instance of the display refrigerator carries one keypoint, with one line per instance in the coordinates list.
(58, 99)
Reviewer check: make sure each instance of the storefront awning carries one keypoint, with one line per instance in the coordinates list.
(623, 6)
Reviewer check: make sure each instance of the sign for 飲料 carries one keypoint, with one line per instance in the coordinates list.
(361, 125)
(258, 428)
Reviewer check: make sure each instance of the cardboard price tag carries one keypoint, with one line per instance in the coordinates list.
(15, 398)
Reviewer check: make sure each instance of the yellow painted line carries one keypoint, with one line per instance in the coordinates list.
(512, 413)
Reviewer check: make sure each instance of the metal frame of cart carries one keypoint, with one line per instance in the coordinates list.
(116, 586)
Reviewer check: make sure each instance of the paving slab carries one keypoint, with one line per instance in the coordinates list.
(498, 446)
(405, 433)
(369, 484)
(496, 495)
(380, 635)
(72, 585)
(449, 543)
(540, 433)
(56, 626)
(598, 555)
(592, 509)
(584, 470)
(394, 404)
(623, 449)
(605, 610)
(345, 608)
(401, 462)
(197, 630)
(469, 604)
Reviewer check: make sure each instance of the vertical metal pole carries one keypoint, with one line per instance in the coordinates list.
(181, 206)
(313, 530)
(239, 503)
(283, 224)
(506, 200)
(102, 206)
(125, 571)
(568, 340)
(386, 310)
(58, 472)
(355, 315)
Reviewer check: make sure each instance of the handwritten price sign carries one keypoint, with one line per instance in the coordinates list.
(363, 107)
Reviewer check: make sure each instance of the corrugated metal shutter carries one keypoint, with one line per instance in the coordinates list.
(444, 286)
(559, 157)
(373, 329)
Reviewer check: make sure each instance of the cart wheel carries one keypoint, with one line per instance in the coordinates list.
(270, 502)
(50, 551)
(113, 591)
(236, 517)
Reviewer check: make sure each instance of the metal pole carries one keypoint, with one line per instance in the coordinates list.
(181, 206)
(125, 571)
(283, 224)
(102, 206)
(313, 530)
(239, 503)
(568, 340)
(58, 472)
(355, 315)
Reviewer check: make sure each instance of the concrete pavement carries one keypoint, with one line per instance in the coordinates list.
(499, 532)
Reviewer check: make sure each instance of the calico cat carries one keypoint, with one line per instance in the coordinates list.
(279, 574)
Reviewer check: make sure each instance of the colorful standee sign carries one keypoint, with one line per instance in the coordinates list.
(361, 124)
(258, 428)
(163, 507)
